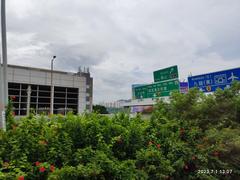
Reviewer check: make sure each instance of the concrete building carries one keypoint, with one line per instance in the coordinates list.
(30, 88)
(143, 105)
(115, 104)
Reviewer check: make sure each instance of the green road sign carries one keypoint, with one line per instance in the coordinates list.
(166, 74)
(156, 90)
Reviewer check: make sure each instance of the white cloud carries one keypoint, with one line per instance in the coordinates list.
(123, 41)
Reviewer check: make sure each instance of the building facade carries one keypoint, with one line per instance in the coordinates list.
(30, 89)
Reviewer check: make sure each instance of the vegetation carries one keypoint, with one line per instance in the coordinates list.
(113, 110)
(100, 109)
(195, 136)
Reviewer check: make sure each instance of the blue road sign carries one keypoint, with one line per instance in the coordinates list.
(210, 82)
(183, 87)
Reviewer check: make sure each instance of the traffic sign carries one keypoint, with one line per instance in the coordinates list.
(183, 87)
(166, 74)
(133, 87)
(211, 81)
(156, 90)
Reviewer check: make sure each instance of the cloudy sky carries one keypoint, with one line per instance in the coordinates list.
(124, 41)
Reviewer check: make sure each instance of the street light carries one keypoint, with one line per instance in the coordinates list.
(3, 69)
(52, 87)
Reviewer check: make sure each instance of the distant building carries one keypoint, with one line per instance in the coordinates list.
(143, 105)
(115, 104)
(30, 88)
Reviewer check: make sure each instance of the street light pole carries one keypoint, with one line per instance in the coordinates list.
(52, 87)
(2, 104)
(3, 71)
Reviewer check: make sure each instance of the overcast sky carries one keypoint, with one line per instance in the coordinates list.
(124, 41)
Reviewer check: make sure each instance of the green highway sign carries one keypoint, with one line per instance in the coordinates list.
(156, 90)
(166, 74)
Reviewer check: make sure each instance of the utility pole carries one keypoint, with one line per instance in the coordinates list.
(2, 104)
(52, 87)
(4, 89)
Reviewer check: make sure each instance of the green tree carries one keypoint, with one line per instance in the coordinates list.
(100, 109)
(10, 121)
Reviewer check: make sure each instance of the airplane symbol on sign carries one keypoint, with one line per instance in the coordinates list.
(232, 77)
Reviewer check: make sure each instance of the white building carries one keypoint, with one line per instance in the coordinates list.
(115, 104)
(143, 105)
(30, 88)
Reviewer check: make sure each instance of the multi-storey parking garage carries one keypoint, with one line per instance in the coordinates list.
(30, 88)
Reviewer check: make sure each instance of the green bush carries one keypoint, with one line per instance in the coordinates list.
(182, 139)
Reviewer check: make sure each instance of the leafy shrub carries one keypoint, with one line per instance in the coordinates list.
(193, 132)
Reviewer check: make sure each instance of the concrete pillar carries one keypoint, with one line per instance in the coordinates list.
(28, 99)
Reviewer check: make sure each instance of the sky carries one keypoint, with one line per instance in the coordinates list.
(124, 41)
